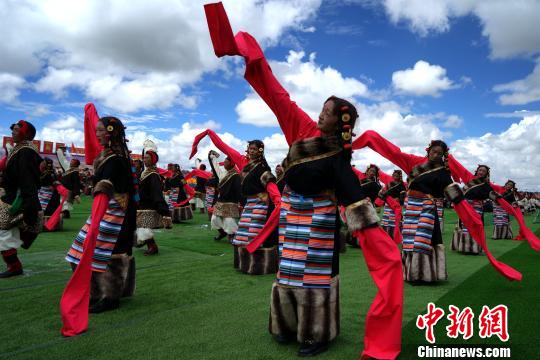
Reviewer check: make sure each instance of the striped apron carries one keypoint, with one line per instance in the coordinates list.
(252, 219)
(210, 194)
(173, 197)
(418, 222)
(109, 229)
(306, 239)
(45, 194)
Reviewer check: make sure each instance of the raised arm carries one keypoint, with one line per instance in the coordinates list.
(294, 122)
(385, 148)
(239, 159)
(92, 147)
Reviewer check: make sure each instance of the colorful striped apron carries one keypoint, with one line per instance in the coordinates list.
(500, 216)
(45, 194)
(173, 197)
(418, 222)
(109, 229)
(252, 219)
(307, 227)
(210, 194)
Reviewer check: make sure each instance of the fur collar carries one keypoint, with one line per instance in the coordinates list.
(312, 149)
(424, 168)
(148, 171)
(22, 145)
(227, 177)
(473, 183)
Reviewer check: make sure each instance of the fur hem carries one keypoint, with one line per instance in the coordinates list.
(304, 313)
(425, 267)
(360, 215)
(261, 262)
(267, 177)
(454, 193)
(104, 186)
(493, 196)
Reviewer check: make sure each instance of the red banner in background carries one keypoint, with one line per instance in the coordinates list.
(38, 144)
(48, 147)
(60, 145)
(7, 140)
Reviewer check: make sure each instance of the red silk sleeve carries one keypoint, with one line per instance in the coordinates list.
(3, 162)
(54, 219)
(239, 159)
(385, 148)
(294, 122)
(198, 173)
(92, 147)
(396, 207)
(473, 223)
(76, 297)
(359, 174)
(458, 171)
(385, 178)
(524, 231)
(382, 335)
(273, 219)
(164, 173)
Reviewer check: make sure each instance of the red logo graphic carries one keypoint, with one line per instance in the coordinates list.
(460, 322)
(429, 320)
(494, 322)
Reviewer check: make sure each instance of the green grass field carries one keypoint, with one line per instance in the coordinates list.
(191, 304)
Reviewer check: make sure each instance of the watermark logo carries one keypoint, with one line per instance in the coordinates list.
(491, 322)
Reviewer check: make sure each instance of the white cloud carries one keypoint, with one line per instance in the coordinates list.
(507, 24)
(68, 122)
(422, 79)
(453, 121)
(11, 86)
(520, 92)
(308, 83)
(511, 153)
(130, 55)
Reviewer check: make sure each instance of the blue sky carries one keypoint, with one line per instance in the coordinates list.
(453, 69)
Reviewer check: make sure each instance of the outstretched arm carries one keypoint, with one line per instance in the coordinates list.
(294, 122)
(385, 148)
(239, 159)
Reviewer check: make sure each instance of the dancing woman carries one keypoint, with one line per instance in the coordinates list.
(395, 189)
(48, 196)
(305, 295)
(153, 209)
(228, 197)
(178, 198)
(501, 218)
(21, 216)
(260, 193)
(110, 228)
(475, 192)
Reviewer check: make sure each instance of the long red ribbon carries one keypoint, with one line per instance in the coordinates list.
(473, 223)
(524, 231)
(273, 219)
(55, 217)
(92, 147)
(76, 297)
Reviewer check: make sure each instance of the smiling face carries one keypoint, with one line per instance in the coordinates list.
(509, 185)
(279, 170)
(327, 119)
(102, 135)
(371, 172)
(435, 154)
(482, 172)
(253, 152)
(396, 176)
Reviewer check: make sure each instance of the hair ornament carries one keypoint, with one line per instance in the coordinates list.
(110, 128)
(346, 117)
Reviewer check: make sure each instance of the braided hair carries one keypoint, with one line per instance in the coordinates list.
(376, 168)
(347, 114)
(260, 146)
(118, 145)
(444, 147)
(485, 167)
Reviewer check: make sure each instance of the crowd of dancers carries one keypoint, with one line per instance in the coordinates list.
(292, 222)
